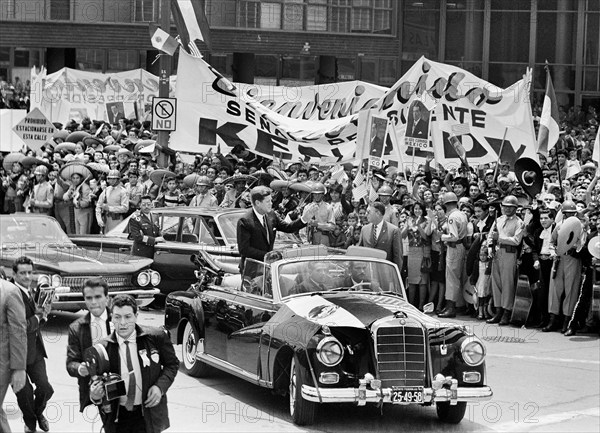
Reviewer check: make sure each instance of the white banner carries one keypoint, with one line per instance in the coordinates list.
(212, 110)
(9, 140)
(73, 94)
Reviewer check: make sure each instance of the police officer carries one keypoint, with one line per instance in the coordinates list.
(385, 196)
(455, 232)
(42, 199)
(143, 230)
(113, 202)
(566, 274)
(324, 220)
(203, 197)
(505, 237)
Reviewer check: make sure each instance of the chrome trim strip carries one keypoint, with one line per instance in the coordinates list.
(232, 369)
(141, 293)
(351, 395)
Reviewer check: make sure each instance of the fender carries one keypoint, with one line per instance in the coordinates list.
(180, 308)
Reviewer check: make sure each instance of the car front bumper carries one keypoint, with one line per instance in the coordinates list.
(74, 301)
(362, 395)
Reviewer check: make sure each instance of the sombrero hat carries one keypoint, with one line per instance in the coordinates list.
(568, 235)
(60, 136)
(158, 177)
(77, 136)
(112, 148)
(65, 147)
(594, 247)
(94, 142)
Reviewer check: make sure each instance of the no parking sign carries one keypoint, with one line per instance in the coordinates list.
(164, 112)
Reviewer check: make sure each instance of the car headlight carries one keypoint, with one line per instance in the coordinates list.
(472, 351)
(56, 280)
(154, 278)
(44, 279)
(143, 279)
(330, 351)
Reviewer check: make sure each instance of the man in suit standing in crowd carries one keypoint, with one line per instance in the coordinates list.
(382, 235)
(146, 360)
(13, 344)
(33, 404)
(87, 331)
(256, 230)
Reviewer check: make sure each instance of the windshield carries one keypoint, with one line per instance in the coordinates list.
(23, 229)
(337, 274)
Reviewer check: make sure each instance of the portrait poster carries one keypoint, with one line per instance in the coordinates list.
(417, 128)
(378, 129)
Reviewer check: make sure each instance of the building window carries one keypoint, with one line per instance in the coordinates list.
(270, 16)
(421, 30)
(591, 49)
(464, 32)
(316, 16)
(509, 36)
(249, 14)
(340, 15)
(145, 10)
(123, 60)
(293, 15)
(30, 10)
(346, 69)
(221, 13)
(60, 10)
(89, 59)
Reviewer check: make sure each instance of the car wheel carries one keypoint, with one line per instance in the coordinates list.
(302, 411)
(451, 414)
(189, 347)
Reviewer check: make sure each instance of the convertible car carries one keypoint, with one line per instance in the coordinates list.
(326, 326)
(186, 230)
(65, 267)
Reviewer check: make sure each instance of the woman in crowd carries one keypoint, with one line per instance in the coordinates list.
(419, 255)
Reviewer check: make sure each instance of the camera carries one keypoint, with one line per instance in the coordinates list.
(98, 363)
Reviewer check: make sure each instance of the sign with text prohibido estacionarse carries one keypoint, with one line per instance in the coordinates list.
(164, 111)
(35, 130)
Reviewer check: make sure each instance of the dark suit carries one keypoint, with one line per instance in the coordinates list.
(80, 338)
(160, 373)
(13, 347)
(377, 147)
(252, 239)
(33, 404)
(389, 240)
(143, 232)
(418, 129)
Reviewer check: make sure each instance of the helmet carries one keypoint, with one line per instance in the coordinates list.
(568, 207)
(40, 169)
(449, 197)
(203, 180)
(510, 200)
(318, 188)
(385, 190)
(114, 174)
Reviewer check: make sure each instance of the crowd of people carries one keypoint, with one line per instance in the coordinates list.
(453, 242)
(15, 95)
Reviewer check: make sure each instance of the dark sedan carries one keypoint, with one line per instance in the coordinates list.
(186, 230)
(64, 266)
(325, 326)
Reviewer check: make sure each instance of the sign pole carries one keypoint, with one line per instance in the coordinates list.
(164, 79)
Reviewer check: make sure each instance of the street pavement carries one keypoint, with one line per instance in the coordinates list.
(542, 382)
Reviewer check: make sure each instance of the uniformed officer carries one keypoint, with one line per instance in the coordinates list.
(385, 196)
(506, 235)
(566, 274)
(113, 202)
(42, 200)
(143, 230)
(324, 220)
(455, 232)
(203, 197)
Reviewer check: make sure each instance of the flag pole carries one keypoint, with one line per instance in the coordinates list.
(164, 79)
(500, 154)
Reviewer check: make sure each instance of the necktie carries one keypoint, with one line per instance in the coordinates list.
(374, 236)
(266, 227)
(131, 388)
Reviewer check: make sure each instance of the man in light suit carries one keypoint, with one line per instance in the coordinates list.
(13, 344)
(382, 235)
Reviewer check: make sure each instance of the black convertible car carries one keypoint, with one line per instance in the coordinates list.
(326, 326)
(64, 266)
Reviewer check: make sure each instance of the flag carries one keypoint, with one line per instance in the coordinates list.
(372, 194)
(459, 148)
(596, 153)
(360, 191)
(359, 179)
(573, 168)
(548, 134)
(191, 22)
(162, 41)
(337, 173)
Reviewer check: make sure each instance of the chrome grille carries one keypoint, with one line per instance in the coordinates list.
(115, 282)
(400, 352)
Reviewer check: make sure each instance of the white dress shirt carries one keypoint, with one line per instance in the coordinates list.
(136, 368)
(98, 327)
(377, 228)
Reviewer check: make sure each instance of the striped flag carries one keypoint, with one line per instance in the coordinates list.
(373, 196)
(548, 134)
(596, 154)
(360, 191)
(460, 149)
(162, 41)
(191, 22)
(359, 179)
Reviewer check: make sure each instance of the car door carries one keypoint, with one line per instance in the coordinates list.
(217, 305)
(251, 309)
(172, 258)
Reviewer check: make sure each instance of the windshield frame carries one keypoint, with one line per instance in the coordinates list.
(34, 221)
(276, 268)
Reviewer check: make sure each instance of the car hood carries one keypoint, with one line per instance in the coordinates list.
(80, 261)
(354, 310)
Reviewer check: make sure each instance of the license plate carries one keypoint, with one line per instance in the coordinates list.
(407, 395)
